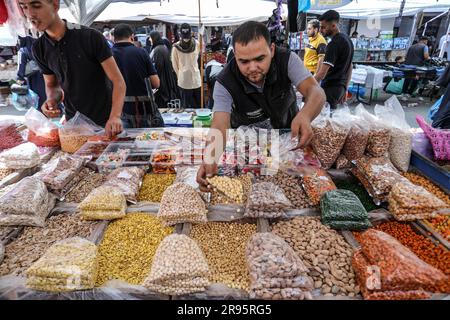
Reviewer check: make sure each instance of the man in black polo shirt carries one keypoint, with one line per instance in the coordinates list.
(257, 88)
(139, 110)
(336, 71)
(78, 67)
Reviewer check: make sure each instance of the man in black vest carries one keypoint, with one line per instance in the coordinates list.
(256, 88)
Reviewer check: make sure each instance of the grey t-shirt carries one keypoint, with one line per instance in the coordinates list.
(297, 73)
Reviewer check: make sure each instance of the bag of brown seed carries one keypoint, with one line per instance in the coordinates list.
(266, 200)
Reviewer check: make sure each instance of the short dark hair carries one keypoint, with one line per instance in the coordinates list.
(249, 31)
(423, 38)
(122, 31)
(398, 58)
(315, 23)
(330, 16)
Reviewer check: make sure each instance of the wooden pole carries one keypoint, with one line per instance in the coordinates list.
(201, 54)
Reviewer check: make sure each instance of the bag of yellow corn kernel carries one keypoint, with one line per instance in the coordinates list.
(103, 203)
(68, 265)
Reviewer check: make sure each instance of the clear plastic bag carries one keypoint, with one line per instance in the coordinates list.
(68, 265)
(400, 144)
(276, 271)
(408, 201)
(329, 138)
(9, 136)
(188, 272)
(128, 180)
(316, 182)
(343, 208)
(266, 200)
(76, 132)
(396, 267)
(181, 203)
(42, 132)
(103, 203)
(61, 172)
(188, 175)
(285, 157)
(230, 190)
(23, 156)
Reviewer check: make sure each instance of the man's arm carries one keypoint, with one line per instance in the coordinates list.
(426, 54)
(174, 59)
(154, 80)
(114, 124)
(314, 102)
(319, 63)
(55, 96)
(322, 72)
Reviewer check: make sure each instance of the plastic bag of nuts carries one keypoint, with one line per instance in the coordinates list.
(103, 203)
(408, 201)
(179, 267)
(230, 188)
(266, 200)
(76, 132)
(23, 156)
(396, 267)
(181, 203)
(68, 265)
(316, 183)
(126, 179)
(276, 272)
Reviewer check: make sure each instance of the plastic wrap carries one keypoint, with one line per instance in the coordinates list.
(276, 271)
(396, 267)
(42, 132)
(23, 156)
(188, 175)
(76, 132)
(181, 203)
(188, 272)
(68, 265)
(9, 136)
(103, 203)
(343, 209)
(317, 182)
(289, 157)
(439, 139)
(128, 180)
(230, 189)
(61, 172)
(408, 201)
(379, 133)
(266, 200)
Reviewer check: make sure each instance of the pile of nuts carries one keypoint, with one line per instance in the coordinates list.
(103, 203)
(33, 242)
(276, 272)
(128, 246)
(378, 143)
(316, 183)
(397, 269)
(408, 201)
(181, 203)
(400, 149)
(224, 246)
(179, 267)
(230, 188)
(356, 143)
(9, 137)
(71, 143)
(68, 265)
(442, 225)
(328, 141)
(92, 181)
(292, 188)
(427, 184)
(154, 185)
(323, 251)
(5, 172)
(266, 200)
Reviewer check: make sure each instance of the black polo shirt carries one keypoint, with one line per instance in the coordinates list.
(339, 56)
(76, 60)
(135, 65)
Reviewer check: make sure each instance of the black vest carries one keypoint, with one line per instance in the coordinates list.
(277, 101)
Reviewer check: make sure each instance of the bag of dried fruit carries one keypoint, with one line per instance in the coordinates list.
(76, 132)
(41, 131)
(400, 146)
(9, 136)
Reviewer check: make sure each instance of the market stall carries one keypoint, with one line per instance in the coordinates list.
(125, 219)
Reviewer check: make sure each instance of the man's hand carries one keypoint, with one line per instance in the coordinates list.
(206, 171)
(50, 108)
(113, 127)
(344, 98)
(301, 127)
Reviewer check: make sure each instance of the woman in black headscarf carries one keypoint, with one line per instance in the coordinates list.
(160, 55)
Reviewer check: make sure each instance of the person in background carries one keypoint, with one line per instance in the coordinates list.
(78, 68)
(315, 49)
(136, 68)
(185, 56)
(444, 44)
(212, 70)
(399, 60)
(107, 35)
(442, 118)
(148, 45)
(160, 56)
(336, 71)
(417, 55)
(28, 71)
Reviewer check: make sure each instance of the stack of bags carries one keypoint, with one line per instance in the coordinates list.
(385, 269)
(103, 203)
(342, 210)
(276, 271)
(23, 156)
(68, 265)
(180, 203)
(179, 267)
(408, 201)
